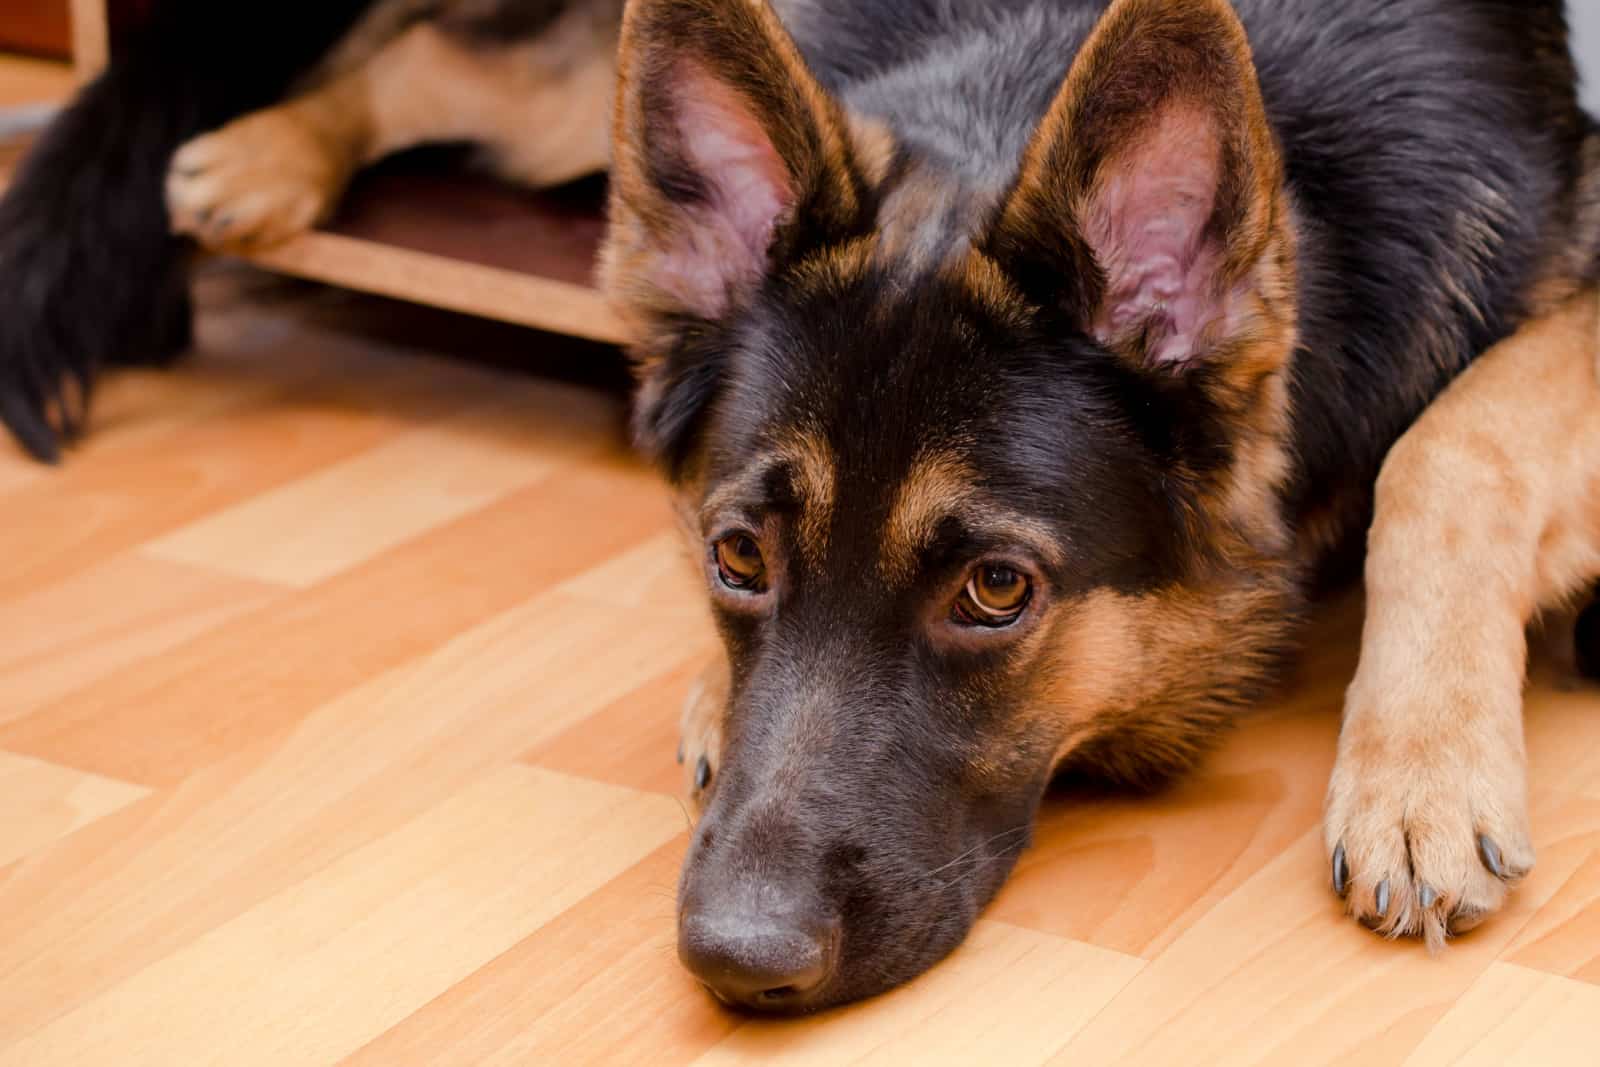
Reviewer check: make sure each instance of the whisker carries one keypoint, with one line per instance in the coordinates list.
(980, 845)
(1009, 850)
(688, 820)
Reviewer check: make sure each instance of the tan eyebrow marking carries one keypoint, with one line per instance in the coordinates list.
(725, 497)
(940, 486)
(811, 461)
(936, 486)
(811, 469)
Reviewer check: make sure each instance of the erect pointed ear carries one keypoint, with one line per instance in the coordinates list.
(1151, 200)
(728, 154)
(729, 159)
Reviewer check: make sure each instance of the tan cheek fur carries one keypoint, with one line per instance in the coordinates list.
(1136, 687)
(1487, 511)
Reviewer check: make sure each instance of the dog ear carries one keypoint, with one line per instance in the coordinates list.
(1151, 200)
(729, 160)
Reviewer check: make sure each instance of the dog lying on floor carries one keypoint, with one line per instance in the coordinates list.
(1019, 368)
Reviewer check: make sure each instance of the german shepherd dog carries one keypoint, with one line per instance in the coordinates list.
(1020, 367)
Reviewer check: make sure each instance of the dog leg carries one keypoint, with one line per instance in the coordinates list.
(539, 106)
(1487, 509)
(700, 735)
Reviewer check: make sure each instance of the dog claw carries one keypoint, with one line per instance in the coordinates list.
(1381, 902)
(1427, 896)
(680, 750)
(1341, 871)
(702, 773)
(1491, 856)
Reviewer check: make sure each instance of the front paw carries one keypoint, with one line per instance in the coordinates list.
(700, 733)
(1426, 821)
(257, 181)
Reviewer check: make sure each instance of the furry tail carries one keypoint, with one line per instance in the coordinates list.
(89, 273)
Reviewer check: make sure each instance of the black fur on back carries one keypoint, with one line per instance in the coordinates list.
(89, 273)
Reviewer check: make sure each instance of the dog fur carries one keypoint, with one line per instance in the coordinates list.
(1129, 300)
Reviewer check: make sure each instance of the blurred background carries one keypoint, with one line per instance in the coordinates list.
(43, 26)
(1586, 19)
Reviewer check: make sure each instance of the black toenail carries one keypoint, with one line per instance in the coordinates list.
(1382, 903)
(702, 773)
(1427, 896)
(1341, 871)
(1491, 856)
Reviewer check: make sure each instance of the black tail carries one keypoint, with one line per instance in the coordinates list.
(89, 273)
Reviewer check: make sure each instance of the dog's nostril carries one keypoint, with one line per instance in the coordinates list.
(767, 963)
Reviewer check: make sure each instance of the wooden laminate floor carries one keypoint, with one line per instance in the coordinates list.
(338, 698)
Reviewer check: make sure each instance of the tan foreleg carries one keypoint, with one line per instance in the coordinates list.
(1487, 509)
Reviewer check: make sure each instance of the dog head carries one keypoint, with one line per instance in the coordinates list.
(973, 503)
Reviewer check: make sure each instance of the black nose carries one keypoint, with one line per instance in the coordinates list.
(762, 962)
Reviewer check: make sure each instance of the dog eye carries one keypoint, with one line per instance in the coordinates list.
(995, 596)
(739, 563)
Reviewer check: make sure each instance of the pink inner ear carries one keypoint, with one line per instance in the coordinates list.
(1146, 221)
(722, 244)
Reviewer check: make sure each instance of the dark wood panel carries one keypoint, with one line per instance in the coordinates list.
(552, 234)
(38, 27)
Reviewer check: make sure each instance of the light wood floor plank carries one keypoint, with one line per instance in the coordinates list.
(313, 973)
(67, 636)
(630, 741)
(320, 398)
(306, 532)
(600, 985)
(67, 523)
(1563, 937)
(1037, 990)
(1274, 975)
(44, 802)
(281, 809)
(159, 720)
(656, 572)
(316, 527)
(1515, 1017)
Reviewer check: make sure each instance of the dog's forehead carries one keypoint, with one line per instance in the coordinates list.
(841, 512)
(883, 413)
(877, 366)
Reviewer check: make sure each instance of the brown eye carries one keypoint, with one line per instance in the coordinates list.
(739, 563)
(995, 595)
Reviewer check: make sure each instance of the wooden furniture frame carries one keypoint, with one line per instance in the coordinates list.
(466, 246)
